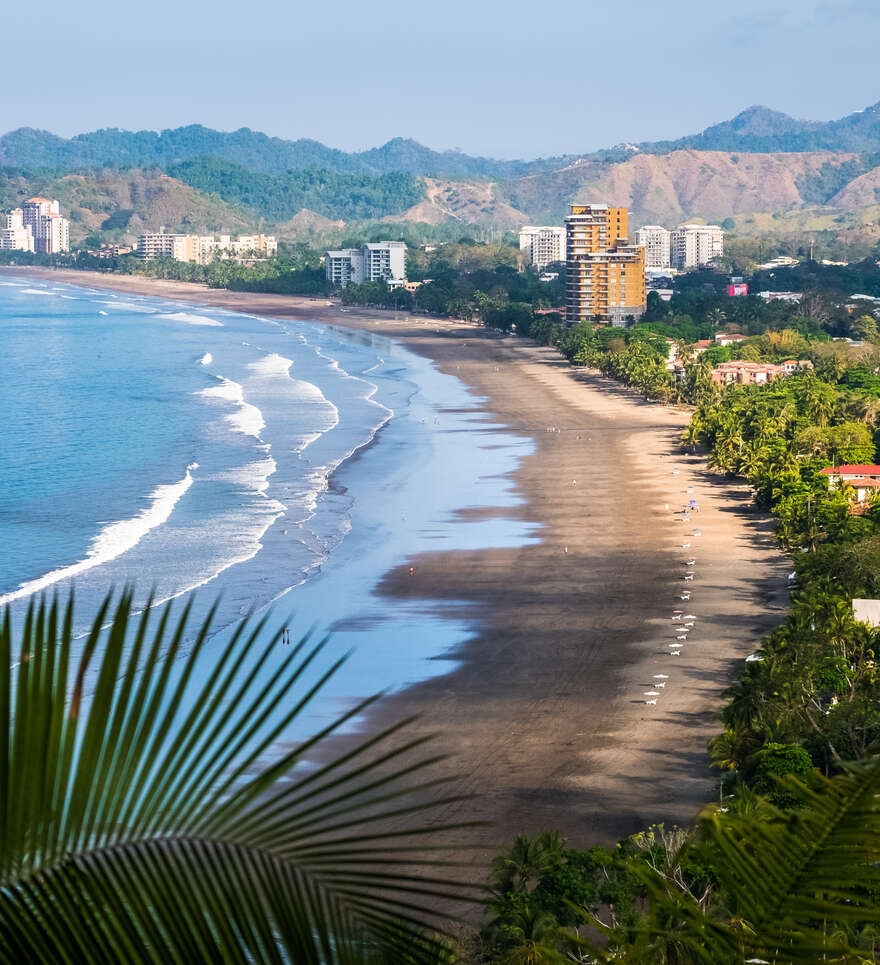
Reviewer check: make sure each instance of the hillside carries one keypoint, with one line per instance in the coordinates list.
(772, 193)
(122, 204)
(671, 188)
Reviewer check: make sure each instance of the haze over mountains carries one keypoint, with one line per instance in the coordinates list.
(766, 171)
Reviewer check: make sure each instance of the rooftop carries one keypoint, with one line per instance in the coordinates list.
(858, 470)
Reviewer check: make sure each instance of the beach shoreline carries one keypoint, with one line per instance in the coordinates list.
(545, 721)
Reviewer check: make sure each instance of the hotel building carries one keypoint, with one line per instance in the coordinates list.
(693, 245)
(542, 245)
(14, 236)
(381, 261)
(203, 249)
(605, 275)
(655, 239)
(51, 232)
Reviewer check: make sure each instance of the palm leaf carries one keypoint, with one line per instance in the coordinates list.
(790, 879)
(139, 822)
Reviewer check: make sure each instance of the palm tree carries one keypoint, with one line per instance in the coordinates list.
(519, 868)
(148, 812)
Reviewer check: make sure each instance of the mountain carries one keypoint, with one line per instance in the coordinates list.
(761, 130)
(767, 172)
(30, 148)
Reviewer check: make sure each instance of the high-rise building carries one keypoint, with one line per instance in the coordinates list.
(51, 232)
(380, 261)
(605, 275)
(693, 245)
(14, 234)
(655, 239)
(543, 245)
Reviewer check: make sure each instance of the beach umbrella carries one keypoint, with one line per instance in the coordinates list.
(661, 676)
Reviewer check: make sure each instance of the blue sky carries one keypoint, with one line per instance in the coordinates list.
(506, 79)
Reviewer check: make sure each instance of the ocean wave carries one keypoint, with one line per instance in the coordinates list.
(11, 284)
(37, 291)
(248, 418)
(130, 307)
(206, 359)
(191, 319)
(275, 366)
(115, 538)
(253, 475)
(100, 312)
(371, 387)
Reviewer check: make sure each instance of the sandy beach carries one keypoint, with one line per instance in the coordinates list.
(547, 721)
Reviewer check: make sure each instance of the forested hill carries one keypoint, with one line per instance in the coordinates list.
(755, 130)
(761, 130)
(30, 148)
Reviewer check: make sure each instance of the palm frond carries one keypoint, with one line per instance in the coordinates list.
(139, 822)
(790, 879)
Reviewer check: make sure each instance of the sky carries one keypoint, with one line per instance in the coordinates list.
(504, 79)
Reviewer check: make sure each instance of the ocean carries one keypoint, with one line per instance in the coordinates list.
(279, 466)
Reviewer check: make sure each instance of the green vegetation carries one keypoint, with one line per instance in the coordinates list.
(759, 129)
(750, 882)
(140, 822)
(278, 197)
(296, 271)
(26, 147)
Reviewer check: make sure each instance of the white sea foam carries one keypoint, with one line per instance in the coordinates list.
(206, 359)
(276, 366)
(254, 475)
(101, 312)
(11, 284)
(70, 298)
(130, 307)
(191, 319)
(247, 418)
(36, 291)
(115, 538)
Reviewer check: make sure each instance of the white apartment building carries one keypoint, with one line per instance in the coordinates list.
(656, 240)
(203, 249)
(14, 235)
(544, 245)
(693, 245)
(384, 260)
(161, 244)
(51, 232)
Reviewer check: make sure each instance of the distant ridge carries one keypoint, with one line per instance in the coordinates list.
(755, 130)
(30, 148)
(761, 130)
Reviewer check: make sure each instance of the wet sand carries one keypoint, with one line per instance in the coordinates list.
(546, 720)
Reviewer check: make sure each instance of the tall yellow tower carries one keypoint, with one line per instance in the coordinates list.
(605, 275)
